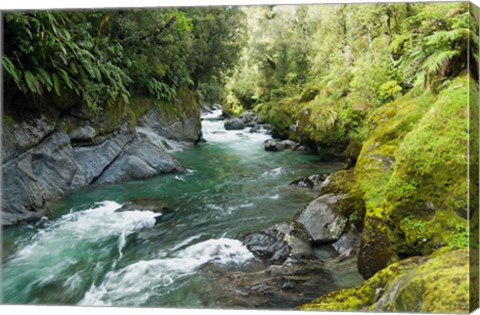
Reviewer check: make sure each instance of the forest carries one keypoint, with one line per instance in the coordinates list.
(386, 90)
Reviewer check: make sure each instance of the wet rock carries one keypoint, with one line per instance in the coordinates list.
(93, 160)
(144, 157)
(277, 286)
(281, 145)
(260, 127)
(82, 133)
(249, 118)
(347, 245)
(322, 218)
(275, 244)
(38, 175)
(144, 204)
(234, 124)
(312, 181)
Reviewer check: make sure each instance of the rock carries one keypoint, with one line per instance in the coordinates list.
(186, 128)
(82, 133)
(276, 287)
(18, 137)
(249, 118)
(312, 181)
(347, 245)
(435, 284)
(281, 145)
(148, 204)
(274, 245)
(144, 204)
(234, 124)
(93, 160)
(41, 174)
(260, 127)
(322, 218)
(143, 158)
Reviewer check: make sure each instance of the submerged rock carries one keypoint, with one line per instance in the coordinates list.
(144, 204)
(234, 124)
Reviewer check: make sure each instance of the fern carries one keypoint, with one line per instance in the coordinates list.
(433, 63)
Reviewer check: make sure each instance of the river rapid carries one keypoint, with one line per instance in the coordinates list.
(88, 254)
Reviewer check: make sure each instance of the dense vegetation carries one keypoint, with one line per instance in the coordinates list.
(383, 85)
(99, 58)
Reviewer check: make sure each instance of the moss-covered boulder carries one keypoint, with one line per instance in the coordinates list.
(412, 171)
(437, 284)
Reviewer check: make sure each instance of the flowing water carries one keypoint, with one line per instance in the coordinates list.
(88, 254)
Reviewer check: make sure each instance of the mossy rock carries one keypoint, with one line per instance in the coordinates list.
(412, 171)
(436, 284)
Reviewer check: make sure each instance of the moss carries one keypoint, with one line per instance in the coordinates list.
(412, 171)
(436, 284)
(362, 297)
(8, 120)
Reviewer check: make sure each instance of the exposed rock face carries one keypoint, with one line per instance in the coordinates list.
(322, 220)
(234, 124)
(41, 164)
(39, 174)
(187, 129)
(21, 136)
(143, 158)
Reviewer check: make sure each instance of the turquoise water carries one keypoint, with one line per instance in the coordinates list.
(89, 254)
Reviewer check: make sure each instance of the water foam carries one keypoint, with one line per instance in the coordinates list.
(137, 282)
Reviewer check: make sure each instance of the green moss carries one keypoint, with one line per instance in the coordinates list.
(436, 284)
(412, 171)
(8, 120)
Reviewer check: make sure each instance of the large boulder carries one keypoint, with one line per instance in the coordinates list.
(234, 123)
(143, 158)
(283, 145)
(279, 242)
(93, 160)
(291, 274)
(322, 218)
(38, 175)
(436, 284)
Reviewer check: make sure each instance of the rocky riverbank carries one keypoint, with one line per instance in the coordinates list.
(44, 156)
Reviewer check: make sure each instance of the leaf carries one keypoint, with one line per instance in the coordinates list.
(11, 70)
(56, 83)
(45, 78)
(31, 82)
(66, 78)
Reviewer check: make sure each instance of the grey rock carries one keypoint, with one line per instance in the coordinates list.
(348, 244)
(248, 117)
(279, 242)
(234, 123)
(93, 160)
(281, 145)
(83, 133)
(143, 158)
(187, 128)
(321, 220)
(312, 181)
(41, 174)
(21, 136)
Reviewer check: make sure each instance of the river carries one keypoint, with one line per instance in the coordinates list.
(88, 254)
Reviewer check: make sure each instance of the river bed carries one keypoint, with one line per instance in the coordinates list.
(88, 254)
